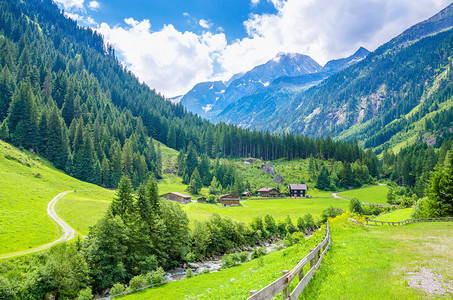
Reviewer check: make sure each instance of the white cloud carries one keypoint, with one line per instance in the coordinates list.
(205, 24)
(82, 20)
(172, 61)
(254, 2)
(70, 5)
(323, 29)
(94, 5)
(168, 60)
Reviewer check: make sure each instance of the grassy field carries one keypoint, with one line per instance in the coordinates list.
(396, 215)
(278, 208)
(27, 184)
(362, 263)
(235, 282)
(375, 263)
(373, 194)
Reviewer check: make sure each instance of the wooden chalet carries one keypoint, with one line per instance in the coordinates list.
(268, 192)
(201, 199)
(177, 197)
(246, 193)
(297, 190)
(229, 200)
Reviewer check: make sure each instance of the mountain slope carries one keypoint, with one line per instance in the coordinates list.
(384, 94)
(262, 108)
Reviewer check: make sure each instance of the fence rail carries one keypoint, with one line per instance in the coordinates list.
(409, 221)
(282, 284)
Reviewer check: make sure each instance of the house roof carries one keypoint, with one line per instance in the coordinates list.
(301, 187)
(177, 194)
(266, 189)
(229, 197)
(201, 197)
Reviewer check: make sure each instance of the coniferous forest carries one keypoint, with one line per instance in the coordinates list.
(65, 96)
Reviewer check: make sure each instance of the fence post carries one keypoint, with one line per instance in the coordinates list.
(253, 292)
(311, 260)
(285, 292)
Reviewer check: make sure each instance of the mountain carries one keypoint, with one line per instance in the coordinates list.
(387, 98)
(202, 99)
(203, 96)
(261, 108)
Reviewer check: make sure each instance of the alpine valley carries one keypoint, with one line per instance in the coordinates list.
(107, 189)
(394, 96)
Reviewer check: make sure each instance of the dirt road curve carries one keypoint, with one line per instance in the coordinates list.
(68, 232)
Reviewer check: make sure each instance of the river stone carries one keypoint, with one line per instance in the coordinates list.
(268, 168)
(278, 178)
(194, 265)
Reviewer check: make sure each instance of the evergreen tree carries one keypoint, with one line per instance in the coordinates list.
(214, 188)
(23, 117)
(6, 91)
(440, 192)
(57, 141)
(195, 182)
(323, 182)
(122, 204)
(4, 131)
(204, 170)
(191, 161)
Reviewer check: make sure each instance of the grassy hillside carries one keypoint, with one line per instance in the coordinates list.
(373, 194)
(396, 215)
(28, 183)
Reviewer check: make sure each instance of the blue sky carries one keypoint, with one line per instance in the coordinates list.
(173, 44)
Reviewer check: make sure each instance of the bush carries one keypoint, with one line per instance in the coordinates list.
(259, 252)
(355, 206)
(155, 277)
(298, 236)
(117, 289)
(235, 257)
(137, 282)
(85, 294)
(227, 261)
(189, 273)
(244, 256)
(191, 257)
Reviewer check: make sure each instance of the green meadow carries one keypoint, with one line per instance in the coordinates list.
(28, 183)
(396, 215)
(373, 194)
(375, 262)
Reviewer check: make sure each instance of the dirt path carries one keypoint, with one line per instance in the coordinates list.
(335, 195)
(68, 231)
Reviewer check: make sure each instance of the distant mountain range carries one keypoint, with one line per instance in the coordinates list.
(287, 70)
(381, 98)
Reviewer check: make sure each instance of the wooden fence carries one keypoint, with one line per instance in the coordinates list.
(283, 283)
(409, 221)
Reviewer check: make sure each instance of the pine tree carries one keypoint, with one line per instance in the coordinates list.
(6, 92)
(195, 182)
(204, 170)
(123, 203)
(323, 182)
(4, 131)
(57, 146)
(191, 161)
(23, 117)
(440, 193)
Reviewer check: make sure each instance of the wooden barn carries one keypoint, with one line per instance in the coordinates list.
(297, 190)
(246, 193)
(268, 192)
(229, 200)
(201, 199)
(177, 197)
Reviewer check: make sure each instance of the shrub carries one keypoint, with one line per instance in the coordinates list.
(298, 236)
(227, 261)
(259, 252)
(355, 206)
(117, 289)
(244, 256)
(137, 282)
(155, 277)
(235, 257)
(189, 273)
(85, 294)
(191, 257)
